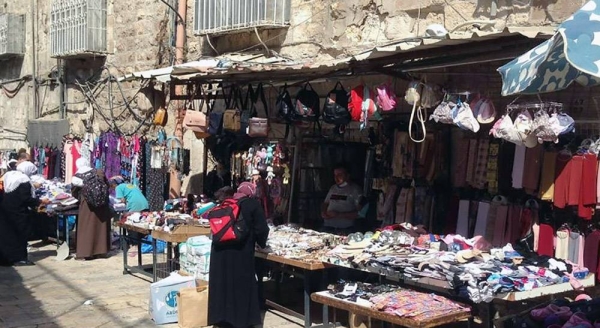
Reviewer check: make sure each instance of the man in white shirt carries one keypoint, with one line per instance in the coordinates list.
(342, 204)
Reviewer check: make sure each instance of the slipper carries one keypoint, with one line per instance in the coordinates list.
(132, 253)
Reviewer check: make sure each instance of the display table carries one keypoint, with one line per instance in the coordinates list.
(64, 218)
(302, 269)
(126, 238)
(330, 301)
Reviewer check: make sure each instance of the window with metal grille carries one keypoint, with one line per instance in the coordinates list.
(222, 16)
(12, 35)
(78, 27)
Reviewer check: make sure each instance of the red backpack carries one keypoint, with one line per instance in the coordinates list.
(226, 222)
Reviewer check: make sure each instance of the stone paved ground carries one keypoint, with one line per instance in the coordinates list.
(51, 294)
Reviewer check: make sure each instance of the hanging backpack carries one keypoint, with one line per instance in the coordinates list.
(227, 224)
(95, 189)
(308, 104)
(335, 109)
(285, 106)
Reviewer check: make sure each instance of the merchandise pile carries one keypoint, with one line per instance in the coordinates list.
(59, 195)
(470, 267)
(194, 256)
(164, 221)
(397, 301)
(300, 244)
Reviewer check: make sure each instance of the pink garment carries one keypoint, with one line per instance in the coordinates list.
(581, 248)
(76, 153)
(500, 226)
(518, 167)
(536, 236)
(69, 162)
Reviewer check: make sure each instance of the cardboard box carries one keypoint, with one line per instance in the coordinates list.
(163, 297)
(192, 306)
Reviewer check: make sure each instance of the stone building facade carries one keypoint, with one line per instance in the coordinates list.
(140, 36)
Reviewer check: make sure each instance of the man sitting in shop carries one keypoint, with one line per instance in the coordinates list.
(342, 204)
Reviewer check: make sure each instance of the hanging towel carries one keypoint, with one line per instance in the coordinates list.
(462, 225)
(518, 167)
(547, 179)
(482, 219)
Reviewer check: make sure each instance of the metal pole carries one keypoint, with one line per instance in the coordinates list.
(294, 174)
(36, 109)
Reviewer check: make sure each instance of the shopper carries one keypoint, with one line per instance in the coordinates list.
(342, 204)
(16, 211)
(93, 224)
(234, 299)
(129, 194)
(134, 200)
(216, 179)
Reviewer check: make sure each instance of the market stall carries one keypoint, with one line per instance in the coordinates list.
(393, 305)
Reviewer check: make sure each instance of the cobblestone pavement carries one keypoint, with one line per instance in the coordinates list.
(52, 294)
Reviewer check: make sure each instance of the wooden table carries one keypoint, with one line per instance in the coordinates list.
(125, 238)
(329, 300)
(306, 271)
(179, 235)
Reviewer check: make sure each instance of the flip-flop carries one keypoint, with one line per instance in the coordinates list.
(132, 253)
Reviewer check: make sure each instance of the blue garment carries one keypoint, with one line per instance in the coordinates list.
(133, 196)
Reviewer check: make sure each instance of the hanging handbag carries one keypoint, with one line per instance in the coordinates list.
(215, 116)
(160, 117)
(232, 116)
(258, 127)
(195, 121)
(247, 110)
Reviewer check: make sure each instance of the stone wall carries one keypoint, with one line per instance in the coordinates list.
(140, 35)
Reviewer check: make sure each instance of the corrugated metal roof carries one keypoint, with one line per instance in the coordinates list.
(237, 64)
(454, 39)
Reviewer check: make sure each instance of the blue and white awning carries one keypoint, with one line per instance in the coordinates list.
(572, 54)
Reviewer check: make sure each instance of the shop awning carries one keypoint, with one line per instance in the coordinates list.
(572, 54)
(241, 67)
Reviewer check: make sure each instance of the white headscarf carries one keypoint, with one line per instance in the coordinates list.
(83, 166)
(27, 168)
(13, 179)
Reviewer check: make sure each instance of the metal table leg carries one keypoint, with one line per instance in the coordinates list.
(124, 248)
(57, 231)
(325, 307)
(169, 257)
(66, 220)
(154, 277)
(307, 322)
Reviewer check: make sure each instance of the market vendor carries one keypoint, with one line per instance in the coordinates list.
(342, 204)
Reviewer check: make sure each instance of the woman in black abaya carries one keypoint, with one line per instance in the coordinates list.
(17, 207)
(233, 297)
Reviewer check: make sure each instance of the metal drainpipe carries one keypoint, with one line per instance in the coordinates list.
(179, 59)
(36, 110)
(61, 89)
